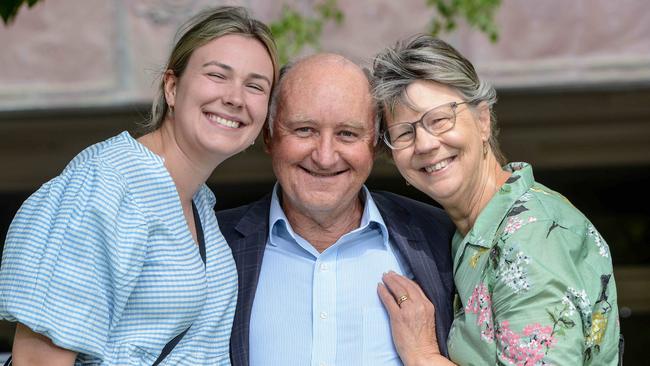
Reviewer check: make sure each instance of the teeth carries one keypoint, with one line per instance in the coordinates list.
(223, 121)
(437, 166)
(323, 174)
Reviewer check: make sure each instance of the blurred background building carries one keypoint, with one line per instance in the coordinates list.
(573, 79)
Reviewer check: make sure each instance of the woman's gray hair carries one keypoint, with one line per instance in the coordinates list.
(424, 57)
(199, 30)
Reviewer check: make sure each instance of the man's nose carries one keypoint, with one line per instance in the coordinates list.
(325, 154)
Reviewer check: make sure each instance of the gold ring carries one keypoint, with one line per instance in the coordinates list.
(401, 299)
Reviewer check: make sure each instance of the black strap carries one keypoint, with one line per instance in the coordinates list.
(199, 232)
(170, 346)
(201, 239)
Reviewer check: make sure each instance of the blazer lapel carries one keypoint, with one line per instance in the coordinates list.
(248, 252)
(416, 251)
(413, 245)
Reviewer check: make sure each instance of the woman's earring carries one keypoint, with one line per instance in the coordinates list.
(485, 149)
(407, 183)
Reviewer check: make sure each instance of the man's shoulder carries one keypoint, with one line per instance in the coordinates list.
(394, 207)
(234, 213)
(255, 211)
(417, 210)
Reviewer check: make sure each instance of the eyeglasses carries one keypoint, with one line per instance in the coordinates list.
(435, 121)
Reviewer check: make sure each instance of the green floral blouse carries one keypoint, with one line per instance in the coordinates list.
(535, 283)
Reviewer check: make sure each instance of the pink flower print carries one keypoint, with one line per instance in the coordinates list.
(480, 303)
(509, 341)
(513, 224)
(527, 349)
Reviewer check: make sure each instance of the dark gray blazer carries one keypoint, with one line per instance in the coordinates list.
(422, 233)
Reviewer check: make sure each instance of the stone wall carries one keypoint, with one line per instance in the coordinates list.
(93, 53)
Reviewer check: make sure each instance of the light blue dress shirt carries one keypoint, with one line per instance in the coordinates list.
(322, 309)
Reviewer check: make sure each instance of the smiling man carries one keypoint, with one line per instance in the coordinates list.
(310, 254)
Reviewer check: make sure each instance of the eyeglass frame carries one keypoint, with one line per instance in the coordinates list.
(413, 125)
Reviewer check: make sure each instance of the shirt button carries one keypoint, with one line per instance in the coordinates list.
(324, 267)
(323, 315)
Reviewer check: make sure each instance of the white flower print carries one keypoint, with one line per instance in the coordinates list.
(512, 270)
(578, 300)
(600, 242)
(570, 309)
(525, 197)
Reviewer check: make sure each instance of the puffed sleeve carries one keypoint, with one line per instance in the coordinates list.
(72, 257)
(554, 297)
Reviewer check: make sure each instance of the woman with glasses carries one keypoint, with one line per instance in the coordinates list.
(119, 260)
(533, 277)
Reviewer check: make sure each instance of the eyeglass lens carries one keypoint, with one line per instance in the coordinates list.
(435, 121)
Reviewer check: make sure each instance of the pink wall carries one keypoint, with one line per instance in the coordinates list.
(99, 52)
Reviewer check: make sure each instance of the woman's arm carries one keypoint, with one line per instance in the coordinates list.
(553, 296)
(31, 348)
(412, 320)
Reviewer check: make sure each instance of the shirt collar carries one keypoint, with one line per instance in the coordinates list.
(488, 221)
(279, 225)
(371, 215)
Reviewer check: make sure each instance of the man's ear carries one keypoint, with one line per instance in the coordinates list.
(170, 81)
(484, 120)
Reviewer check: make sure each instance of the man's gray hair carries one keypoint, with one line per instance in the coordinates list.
(423, 57)
(276, 94)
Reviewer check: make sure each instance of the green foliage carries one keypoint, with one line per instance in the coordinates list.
(9, 8)
(293, 31)
(477, 13)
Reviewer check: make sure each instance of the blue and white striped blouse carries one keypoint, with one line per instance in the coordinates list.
(101, 261)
